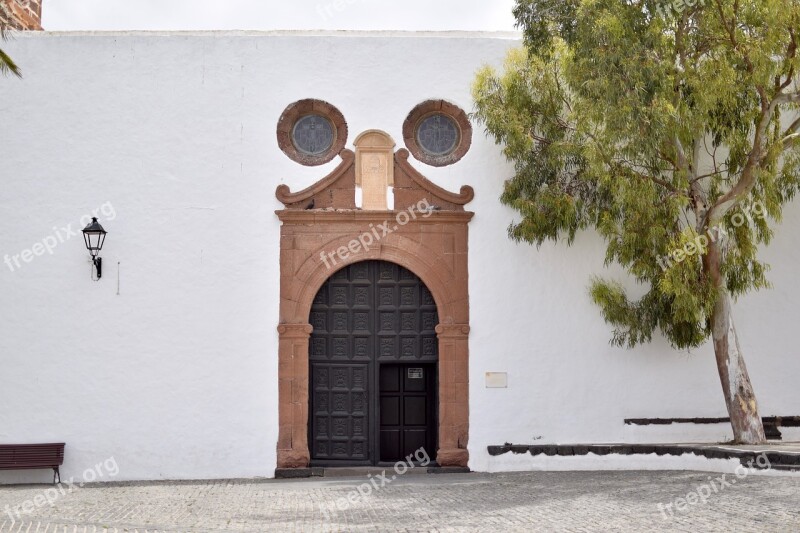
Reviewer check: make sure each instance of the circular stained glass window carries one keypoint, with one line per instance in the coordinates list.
(313, 134)
(438, 135)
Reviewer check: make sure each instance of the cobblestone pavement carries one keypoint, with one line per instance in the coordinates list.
(538, 501)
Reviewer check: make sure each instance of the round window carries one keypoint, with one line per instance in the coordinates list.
(311, 132)
(313, 135)
(437, 133)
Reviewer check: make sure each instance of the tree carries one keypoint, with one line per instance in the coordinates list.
(7, 64)
(672, 131)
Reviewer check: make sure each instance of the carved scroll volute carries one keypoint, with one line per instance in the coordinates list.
(374, 168)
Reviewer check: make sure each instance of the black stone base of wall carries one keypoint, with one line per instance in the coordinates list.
(778, 459)
(771, 423)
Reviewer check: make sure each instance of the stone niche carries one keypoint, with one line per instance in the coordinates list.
(323, 219)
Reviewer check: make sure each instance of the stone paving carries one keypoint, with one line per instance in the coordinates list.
(536, 501)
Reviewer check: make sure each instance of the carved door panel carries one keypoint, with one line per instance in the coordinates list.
(339, 411)
(366, 315)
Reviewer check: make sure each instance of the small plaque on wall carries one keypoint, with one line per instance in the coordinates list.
(496, 380)
(414, 373)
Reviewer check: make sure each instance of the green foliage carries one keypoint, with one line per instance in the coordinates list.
(652, 127)
(7, 64)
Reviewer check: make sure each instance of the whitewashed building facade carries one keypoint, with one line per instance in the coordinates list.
(175, 363)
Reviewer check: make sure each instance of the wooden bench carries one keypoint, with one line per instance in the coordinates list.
(32, 456)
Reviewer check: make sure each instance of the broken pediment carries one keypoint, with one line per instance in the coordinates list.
(374, 167)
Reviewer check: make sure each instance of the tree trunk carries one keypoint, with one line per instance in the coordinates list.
(740, 399)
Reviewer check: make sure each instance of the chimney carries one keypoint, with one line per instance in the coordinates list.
(21, 14)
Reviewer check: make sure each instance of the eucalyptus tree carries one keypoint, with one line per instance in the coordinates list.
(671, 128)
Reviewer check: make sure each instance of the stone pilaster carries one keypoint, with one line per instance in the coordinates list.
(293, 395)
(453, 394)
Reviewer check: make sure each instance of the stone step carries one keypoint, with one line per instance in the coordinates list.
(364, 471)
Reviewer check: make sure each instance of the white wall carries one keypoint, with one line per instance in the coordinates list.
(176, 376)
(566, 384)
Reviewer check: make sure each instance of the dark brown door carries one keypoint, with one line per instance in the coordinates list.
(367, 316)
(407, 413)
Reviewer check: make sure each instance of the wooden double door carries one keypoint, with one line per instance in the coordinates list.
(373, 357)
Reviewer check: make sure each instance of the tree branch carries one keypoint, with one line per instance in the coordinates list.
(790, 136)
(749, 173)
(791, 52)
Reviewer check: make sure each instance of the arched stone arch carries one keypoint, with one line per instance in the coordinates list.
(395, 249)
(314, 245)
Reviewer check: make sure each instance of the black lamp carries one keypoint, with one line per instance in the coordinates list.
(94, 235)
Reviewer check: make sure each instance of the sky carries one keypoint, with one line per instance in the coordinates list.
(473, 15)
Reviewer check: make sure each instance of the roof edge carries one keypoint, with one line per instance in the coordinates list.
(450, 34)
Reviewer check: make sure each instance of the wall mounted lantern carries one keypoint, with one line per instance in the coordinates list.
(94, 235)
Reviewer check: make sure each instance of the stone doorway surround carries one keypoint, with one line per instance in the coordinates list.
(319, 228)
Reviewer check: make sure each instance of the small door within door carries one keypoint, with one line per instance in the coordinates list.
(407, 411)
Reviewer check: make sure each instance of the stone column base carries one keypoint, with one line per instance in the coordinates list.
(293, 459)
(452, 457)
